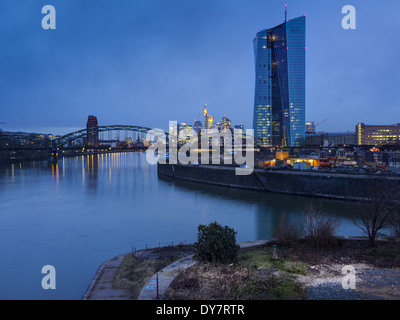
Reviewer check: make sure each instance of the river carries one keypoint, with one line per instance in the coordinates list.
(88, 209)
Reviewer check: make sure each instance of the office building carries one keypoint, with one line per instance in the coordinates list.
(240, 128)
(218, 126)
(279, 101)
(330, 139)
(205, 117)
(197, 126)
(378, 134)
(310, 127)
(210, 123)
(226, 123)
(187, 129)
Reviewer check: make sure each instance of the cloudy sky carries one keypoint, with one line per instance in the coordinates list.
(151, 61)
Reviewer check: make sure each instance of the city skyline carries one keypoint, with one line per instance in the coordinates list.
(147, 66)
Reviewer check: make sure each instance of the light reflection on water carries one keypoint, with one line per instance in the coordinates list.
(84, 210)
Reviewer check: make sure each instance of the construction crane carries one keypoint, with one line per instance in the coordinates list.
(326, 119)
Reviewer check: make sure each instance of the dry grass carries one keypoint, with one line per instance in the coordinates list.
(206, 281)
(134, 272)
(252, 278)
(256, 276)
(386, 254)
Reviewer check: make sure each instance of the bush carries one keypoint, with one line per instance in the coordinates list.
(216, 244)
(288, 232)
(319, 229)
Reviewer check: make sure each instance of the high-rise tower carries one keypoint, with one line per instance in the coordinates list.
(205, 117)
(93, 132)
(279, 100)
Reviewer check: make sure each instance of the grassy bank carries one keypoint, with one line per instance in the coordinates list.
(257, 276)
(135, 271)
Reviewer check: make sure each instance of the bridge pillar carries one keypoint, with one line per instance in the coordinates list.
(53, 156)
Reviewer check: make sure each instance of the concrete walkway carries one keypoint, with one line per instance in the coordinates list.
(165, 277)
(168, 274)
(101, 287)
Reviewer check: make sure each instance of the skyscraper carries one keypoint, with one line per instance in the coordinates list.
(279, 100)
(205, 117)
(210, 124)
(226, 123)
(218, 126)
(197, 126)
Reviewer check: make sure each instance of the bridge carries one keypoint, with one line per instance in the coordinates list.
(60, 142)
(29, 141)
(26, 142)
(12, 141)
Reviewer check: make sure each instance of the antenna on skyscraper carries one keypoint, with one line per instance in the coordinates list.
(285, 12)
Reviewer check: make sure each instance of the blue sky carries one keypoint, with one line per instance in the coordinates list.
(151, 61)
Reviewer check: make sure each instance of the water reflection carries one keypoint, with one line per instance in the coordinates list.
(92, 172)
(55, 174)
(271, 208)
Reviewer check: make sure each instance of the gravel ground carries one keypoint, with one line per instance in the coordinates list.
(335, 291)
(325, 283)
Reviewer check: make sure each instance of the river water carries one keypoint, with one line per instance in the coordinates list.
(88, 209)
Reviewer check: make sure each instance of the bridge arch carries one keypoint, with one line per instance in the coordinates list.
(36, 141)
(69, 137)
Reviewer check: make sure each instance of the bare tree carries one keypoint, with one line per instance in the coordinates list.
(319, 229)
(375, 212)
(288, 232)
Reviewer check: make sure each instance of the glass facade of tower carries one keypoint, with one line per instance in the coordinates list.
(279, 100)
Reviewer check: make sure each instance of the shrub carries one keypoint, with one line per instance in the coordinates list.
(319, 229)
(216, 244)
(288, 232)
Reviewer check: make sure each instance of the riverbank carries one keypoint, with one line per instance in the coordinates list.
(25, 156)
(15, 156)
(87, 152)
(300, 272)
(330, 185)
(123, 277)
